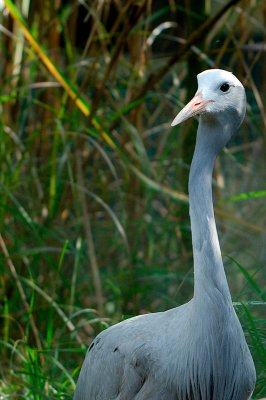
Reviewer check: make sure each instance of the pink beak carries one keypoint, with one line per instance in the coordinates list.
(196, 106)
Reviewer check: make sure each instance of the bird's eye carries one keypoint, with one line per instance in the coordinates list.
(225, 87)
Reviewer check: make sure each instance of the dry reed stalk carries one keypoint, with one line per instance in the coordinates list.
(89, 238)
(22, 295)
(194, 38)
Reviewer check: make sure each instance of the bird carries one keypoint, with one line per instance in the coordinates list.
(196, 351)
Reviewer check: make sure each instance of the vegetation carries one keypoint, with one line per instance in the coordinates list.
(94, 220)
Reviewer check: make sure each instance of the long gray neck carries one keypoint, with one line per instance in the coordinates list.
(208, 265)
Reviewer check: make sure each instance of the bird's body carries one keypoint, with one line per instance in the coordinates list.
(144, 359)
(196, 351)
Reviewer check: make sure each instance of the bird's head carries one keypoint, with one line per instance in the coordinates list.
(220, 96)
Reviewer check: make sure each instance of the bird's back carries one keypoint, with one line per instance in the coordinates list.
(118, 363)
(144, 359)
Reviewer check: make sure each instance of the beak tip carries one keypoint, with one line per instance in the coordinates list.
(196, 106)
(174, 122)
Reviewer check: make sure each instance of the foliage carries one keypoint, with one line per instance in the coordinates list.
(94, 207)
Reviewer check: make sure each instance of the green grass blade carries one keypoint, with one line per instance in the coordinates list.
(245, 196)
(71, 90)
(250, 279)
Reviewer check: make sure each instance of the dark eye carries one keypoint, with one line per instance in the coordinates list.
(224, 87)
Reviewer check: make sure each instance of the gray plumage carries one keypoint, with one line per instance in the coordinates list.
(196, 351)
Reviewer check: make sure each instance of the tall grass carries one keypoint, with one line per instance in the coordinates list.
(94, 210)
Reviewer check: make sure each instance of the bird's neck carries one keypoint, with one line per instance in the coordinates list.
(208, 265)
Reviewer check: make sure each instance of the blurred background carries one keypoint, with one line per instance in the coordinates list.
(94, 223)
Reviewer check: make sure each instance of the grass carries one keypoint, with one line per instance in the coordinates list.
(94, 208)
